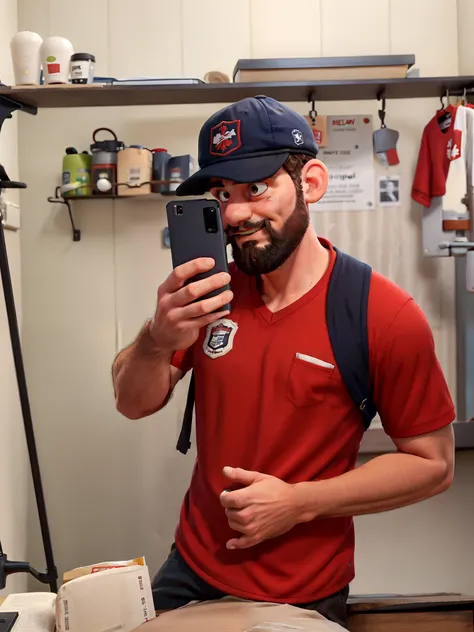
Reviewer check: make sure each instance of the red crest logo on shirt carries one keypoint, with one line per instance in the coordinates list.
(219, 338)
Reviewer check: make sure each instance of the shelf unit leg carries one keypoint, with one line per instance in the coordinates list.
(7, 107)
(51, 575)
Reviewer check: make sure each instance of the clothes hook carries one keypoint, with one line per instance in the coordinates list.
(447, 97)
(443, 106)
(382, 112)
(313, 112)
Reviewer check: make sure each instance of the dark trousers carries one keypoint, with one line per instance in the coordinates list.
(176, 584)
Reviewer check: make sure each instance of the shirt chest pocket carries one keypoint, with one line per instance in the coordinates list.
(308, 381)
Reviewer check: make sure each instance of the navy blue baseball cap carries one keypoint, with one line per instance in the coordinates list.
(248, 141)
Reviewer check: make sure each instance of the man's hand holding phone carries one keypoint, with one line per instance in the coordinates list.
(180, 313)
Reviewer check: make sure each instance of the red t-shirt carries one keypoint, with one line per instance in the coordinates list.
(434, 158)
(260, 408)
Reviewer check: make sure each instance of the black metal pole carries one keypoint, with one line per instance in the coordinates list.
(25, 408)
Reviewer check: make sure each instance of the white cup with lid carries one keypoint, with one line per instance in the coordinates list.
(82, 68)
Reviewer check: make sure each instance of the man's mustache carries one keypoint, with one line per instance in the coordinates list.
(233, 231)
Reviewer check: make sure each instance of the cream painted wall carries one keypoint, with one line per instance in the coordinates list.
(465, 41)
(14, 472)
(114, 487)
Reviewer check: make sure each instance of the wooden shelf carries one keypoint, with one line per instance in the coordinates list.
(95, 95)
(375, 440)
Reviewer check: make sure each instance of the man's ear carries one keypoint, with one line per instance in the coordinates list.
(314, 179)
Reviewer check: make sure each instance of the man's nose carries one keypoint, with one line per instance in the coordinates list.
(237, 212)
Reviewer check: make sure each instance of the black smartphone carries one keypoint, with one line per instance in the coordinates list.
(196, 230)
(7, 621)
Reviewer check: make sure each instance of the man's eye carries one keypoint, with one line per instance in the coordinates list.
(257, 188)
(223, 196)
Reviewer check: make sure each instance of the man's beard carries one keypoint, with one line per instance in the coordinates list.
(257, 260)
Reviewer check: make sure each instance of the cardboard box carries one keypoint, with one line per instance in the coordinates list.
(323, 68)
(81, 571)
(113, 600)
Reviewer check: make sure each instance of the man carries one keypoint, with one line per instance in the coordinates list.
(269, 512)
(389, 192)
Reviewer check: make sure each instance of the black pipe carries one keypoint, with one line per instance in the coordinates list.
(51, 574)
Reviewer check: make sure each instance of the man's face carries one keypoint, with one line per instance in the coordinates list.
(265, 221)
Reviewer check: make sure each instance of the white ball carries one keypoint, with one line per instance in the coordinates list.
(104, 185)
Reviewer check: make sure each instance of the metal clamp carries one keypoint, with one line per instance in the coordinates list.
(8, 106)
(458, 245)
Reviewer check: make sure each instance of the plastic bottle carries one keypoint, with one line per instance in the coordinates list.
(160, 162)
(76, 176)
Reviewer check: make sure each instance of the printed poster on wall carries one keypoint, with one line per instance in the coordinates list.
(349, 157)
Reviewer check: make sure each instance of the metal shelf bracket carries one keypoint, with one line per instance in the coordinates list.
(8, 106)
(59, 199)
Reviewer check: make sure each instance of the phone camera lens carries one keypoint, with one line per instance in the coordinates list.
(178, 209)
(210, 219)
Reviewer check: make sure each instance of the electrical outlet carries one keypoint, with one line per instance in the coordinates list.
(10, 214)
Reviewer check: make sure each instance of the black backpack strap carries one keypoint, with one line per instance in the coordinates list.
(184, 440)
(346, 315)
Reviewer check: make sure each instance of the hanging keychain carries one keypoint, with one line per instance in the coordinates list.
(385, 142)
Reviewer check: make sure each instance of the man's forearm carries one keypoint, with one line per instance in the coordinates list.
(387, 482)
(141, 377)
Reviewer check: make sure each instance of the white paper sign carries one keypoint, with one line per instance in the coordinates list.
(349, 158)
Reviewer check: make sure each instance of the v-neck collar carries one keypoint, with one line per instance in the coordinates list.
(271, 317)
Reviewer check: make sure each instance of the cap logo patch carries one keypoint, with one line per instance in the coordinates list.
(225, 138)
(298, 137)
(219, 338)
